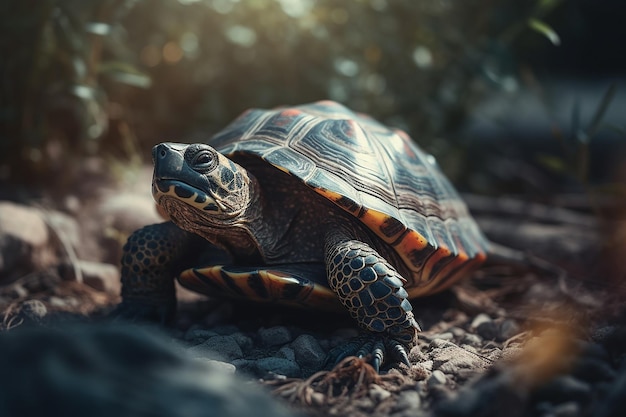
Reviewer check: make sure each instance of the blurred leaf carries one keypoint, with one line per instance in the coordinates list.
(135, 80)
(544, 6)
(553, 163)
(544, 29)
(601, 110)
(98, 28)
(125, 73)
(84, 92)
(621, 130)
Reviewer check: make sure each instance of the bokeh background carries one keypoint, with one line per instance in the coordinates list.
(518, 97)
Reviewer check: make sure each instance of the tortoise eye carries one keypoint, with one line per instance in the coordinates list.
(204, 160)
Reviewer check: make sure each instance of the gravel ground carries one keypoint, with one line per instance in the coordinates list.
(563, 359)
(503, 342)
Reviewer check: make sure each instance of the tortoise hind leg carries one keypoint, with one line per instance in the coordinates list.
(151, 258)
(372, 291)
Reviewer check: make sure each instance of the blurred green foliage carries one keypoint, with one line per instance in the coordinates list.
(116, 76)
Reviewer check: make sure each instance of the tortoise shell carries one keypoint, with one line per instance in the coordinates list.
(377, 174)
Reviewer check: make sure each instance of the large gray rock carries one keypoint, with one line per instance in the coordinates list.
(119, 370)
(24, 242)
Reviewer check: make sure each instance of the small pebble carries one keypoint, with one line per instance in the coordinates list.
(593, 350)
(565, 388)
(436, 378)
(457, 332)
(408, 400)
(308, 352)
(279, 366)
(244, 342)
(198, 335)
(568, 409)
(488, 330)
(593, 370)
(472, 339)
(443, 336)
(378, 394)
(451, 358)
(427, 365)
(287, 353)
(479, 319)
(274, 336)
(244, 366)
(508, 329)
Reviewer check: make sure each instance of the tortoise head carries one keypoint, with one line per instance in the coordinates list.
(197, 186)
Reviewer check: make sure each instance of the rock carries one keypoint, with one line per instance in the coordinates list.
(128, 211)
(592, 370)
(218, 347)
(569, 409)
(308, 352)
(451, 359)
(436, 378)
(564, 388)
(427, 365)
(198, 335)
(592, 350)
(613, 404)
(274, 336)
(507, 329)
(118, 370)
(378, 393)
(279, 366)
(245, 366)
(287, 353)
(488, 330)
(496, 394)
(244, 342)
(24, 242)
(472, 340)
(479, 319)
(457, 332)
(100, 276)
(408, 400)
(443, 336)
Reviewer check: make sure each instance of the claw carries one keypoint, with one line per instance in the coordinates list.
(378, 355)
(379, 348)
(398, 351)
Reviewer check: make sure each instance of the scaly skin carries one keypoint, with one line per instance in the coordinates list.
(372, 291)
(153, 256)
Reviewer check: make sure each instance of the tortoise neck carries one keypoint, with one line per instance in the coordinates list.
(249, 232)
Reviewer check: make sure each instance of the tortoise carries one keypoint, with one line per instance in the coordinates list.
(313, 205)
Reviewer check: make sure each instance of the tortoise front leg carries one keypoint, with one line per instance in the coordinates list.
(372, 291)
(152, 257)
